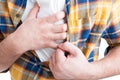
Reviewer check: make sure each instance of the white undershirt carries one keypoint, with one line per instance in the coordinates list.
(47, 7)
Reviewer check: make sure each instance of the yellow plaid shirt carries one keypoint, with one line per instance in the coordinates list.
(88, 22)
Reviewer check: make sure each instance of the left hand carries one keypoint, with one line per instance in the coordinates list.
(75, 66)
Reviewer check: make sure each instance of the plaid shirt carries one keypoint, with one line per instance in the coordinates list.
(91, 20)
(88, 21)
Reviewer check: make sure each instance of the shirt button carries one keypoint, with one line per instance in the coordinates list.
(17, 15)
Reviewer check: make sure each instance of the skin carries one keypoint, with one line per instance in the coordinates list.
(76, 67)
(35, 33)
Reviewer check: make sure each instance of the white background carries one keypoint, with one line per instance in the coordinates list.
(6, 76)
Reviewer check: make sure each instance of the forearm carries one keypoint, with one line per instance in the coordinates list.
(10, 50)
(109, 65)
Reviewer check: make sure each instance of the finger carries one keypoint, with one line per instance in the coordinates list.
(55, 17)
(60, 56)
(51, 64)
(59, 28)
(60, 36)
(52, 44)
(34, 11)
(73, 50)
(53, 59)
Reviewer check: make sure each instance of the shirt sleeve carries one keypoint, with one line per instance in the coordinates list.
(112, 33)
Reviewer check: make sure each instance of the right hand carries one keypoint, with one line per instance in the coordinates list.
(36, 33)
(72, 67)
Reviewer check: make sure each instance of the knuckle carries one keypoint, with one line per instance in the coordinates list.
(64, 27)
(63, 35)
(66, 43)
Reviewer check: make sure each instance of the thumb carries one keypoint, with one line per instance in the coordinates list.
(34, 11)
(70, 48)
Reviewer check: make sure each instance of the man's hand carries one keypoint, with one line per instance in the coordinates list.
(74, 66)
(33, 34)
(36, 33)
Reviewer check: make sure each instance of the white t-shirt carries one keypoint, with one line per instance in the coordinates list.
(47, 7)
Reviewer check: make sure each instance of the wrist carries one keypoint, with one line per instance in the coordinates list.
(97, 70)
(93, 71)
(10, 51)
(90, 72)
(16, 44)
